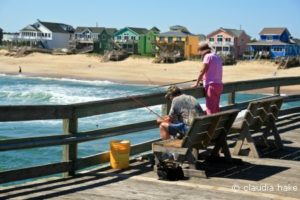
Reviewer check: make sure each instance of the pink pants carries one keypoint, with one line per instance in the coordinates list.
(213, 92)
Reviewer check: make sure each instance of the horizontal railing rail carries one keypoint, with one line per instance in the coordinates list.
(71, 137)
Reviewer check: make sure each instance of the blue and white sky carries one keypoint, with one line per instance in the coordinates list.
(199, 16)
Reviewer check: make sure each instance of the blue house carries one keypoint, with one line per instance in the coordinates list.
(275, 42)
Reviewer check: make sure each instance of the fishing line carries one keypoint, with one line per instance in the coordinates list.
(156, 87)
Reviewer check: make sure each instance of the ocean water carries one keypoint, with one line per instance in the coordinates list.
(21, 90)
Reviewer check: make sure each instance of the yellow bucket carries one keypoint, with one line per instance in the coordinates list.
(119, 154)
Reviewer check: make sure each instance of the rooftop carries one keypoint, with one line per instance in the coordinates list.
(80, 29)
(57, 27)
(174, 34)
(273, 31)
(230, 31)
(176, 31)
(30, 28)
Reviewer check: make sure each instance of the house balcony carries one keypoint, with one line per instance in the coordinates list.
(84, 40)
(129, 41)
(33, 38)
(221, 44)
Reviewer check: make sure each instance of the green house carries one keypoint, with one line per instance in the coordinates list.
(105, 40)
(146, 46)
(128, 38)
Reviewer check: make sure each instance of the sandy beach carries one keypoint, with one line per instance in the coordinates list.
(135, 70)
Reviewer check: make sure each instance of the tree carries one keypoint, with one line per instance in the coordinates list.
(253, 40)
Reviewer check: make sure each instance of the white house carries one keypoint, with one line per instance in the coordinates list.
(10, 37)
(48, 34)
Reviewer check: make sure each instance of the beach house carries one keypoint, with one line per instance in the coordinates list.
(85, 37)
(128, 38)
(10, 37)
(179, 39)
(227, 41)
(87, 34)
(146, 46)
(105, 40)
(275, 42)
(49, 35)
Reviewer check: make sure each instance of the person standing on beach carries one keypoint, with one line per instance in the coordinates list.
(210, 75)
(184, 108)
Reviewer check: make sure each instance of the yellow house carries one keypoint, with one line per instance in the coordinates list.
(182, 37)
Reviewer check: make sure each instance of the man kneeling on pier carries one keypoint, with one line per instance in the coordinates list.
(184, 109)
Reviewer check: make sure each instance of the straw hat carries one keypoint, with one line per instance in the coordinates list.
(204, 49)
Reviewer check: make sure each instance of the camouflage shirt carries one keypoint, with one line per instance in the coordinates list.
(185, 108)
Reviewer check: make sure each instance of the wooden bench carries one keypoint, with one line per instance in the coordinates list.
(205, 131)
(260, 117)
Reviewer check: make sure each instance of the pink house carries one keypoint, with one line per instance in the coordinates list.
(228, 41)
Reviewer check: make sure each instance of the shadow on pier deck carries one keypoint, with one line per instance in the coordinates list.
(275, 176)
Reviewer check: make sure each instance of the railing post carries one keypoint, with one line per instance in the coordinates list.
(277, 90)
(70, 127)
(231, 98)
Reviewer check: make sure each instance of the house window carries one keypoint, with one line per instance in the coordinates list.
(170, 39)
(103, 37)
(126, 37)
(269, 37)
(133, 37)
(178, 39)
(220, 38)
(161, 39)
(228, 39)
(277, 49)
(225, 48)
(211, 39)
(218, 49)
(119, 37)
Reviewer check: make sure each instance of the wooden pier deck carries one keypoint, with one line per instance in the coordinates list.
(275, 176)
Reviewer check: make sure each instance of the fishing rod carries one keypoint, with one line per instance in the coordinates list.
(151, 110)
(147, 107)
(143, 104)
(160, 86)
(149, 80)
(177, 83)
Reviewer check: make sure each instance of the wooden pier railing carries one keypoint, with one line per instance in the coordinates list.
(71, 137)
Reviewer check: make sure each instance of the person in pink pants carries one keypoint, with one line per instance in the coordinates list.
(211, 73)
